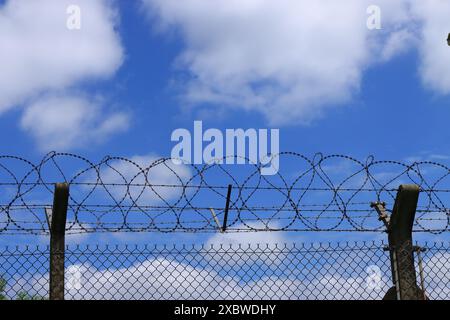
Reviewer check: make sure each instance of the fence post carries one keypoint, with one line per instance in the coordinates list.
(57, 240)
(401, 245)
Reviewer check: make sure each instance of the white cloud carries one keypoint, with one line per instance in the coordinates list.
(40, 56)
(435, 53)
(397, 43)
(250, 244)
(40, 53)
(437, 275)
(292, 59)
(285, 58)
(60, 122)
(162, 278)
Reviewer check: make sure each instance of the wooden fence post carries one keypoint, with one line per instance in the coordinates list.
(401, 251)
(57, 223)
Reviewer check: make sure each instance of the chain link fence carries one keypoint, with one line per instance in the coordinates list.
(273, 271)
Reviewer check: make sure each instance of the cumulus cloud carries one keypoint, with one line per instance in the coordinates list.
(292, 59)
(162, 278)
(40, 53)
(435, 54)
(60, 122)
(282, 58)
(397, 43)
(41, 56)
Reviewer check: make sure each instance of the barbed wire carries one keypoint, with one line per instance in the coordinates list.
(139, 194)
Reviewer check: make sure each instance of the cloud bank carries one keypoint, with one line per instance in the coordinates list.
(187, 277)
(58, 122)
(291, 60)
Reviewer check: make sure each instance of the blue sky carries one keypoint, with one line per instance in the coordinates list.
(392, 114)
(161, 66)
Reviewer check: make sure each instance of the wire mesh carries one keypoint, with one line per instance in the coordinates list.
(358, 270)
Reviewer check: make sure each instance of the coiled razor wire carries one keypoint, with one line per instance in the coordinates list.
(140, 194)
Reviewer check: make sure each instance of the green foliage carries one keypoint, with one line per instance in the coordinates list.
(2, 288)
(22, 295)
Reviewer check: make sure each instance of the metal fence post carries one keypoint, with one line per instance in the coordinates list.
(401, 245)
(57, 240)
